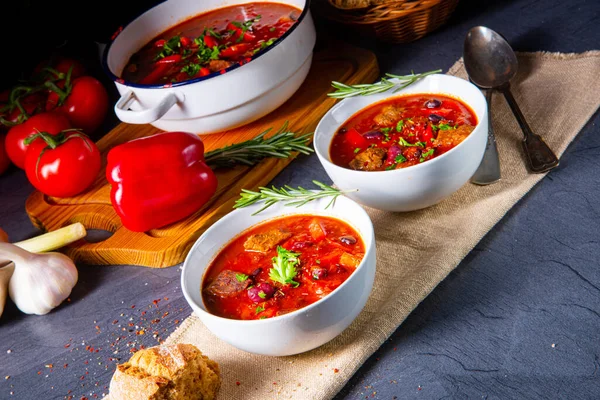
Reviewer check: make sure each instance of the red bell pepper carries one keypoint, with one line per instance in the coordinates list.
(159, 179)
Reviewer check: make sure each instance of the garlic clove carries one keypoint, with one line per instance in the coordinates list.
(5, 274)
(40, 282)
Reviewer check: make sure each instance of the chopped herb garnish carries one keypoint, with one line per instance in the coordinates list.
(260, 309)
(169, 47)
(318, 261)
(214, 34)
(425, 155)
(264, 45)
(356, 150)
(400, 158)
(262, 317)
(272, 29)
(400, 125)
(385, 130)
(386, 137)
(284, 267)
(262, 295)
(403, 142)
(241, 277)
(390, 167)
(191, 69)
(446, 127)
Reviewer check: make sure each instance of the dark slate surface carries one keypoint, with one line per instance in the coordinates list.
(519, 318)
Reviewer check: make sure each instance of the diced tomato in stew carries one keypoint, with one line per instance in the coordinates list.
(245, 280)
(213, 41)
(402, 131)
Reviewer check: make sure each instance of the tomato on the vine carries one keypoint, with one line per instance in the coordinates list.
(4, 160)
(50, 122)
(84, 101)
(62, 165)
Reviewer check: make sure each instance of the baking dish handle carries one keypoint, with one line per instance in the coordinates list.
(147, 115)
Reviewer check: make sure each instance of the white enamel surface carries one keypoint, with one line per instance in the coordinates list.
(418, 186)
(221, 102)
(301, 330)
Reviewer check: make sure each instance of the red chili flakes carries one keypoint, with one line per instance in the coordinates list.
(133, 306)
(49, 366)
(82, 377)
(274, 383)
(130, 324)
(116, 321)
(143, 313)
(140, 332)
(238, 383)
(39, 372)
(86, 362)
(165, 314)
(176, 321)
(166, 298)
(335, 370)
(65, 366)
(114, 35)
(155, 321)
(67, 345)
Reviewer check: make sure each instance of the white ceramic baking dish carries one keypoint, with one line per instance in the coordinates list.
(215, 102)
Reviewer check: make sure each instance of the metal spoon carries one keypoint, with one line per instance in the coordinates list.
(492, 63)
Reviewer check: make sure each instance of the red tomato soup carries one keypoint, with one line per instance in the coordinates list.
(402, 131)
(210, 42)
(281, 266)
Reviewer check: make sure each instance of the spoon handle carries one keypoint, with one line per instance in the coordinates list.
(540, 157)
(489, 170)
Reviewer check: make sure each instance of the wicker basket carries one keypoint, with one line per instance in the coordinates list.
(391, 21)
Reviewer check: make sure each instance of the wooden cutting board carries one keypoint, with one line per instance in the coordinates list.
(168, 246)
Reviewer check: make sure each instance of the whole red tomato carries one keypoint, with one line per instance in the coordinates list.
(62, 165)
(84, 102)
(32, 104)
(4, 160)
(63, 65)
(50, 122)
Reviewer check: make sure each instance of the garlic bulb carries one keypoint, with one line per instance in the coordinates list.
(40, 282)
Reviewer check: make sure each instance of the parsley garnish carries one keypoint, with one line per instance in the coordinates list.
(445, 127)
(424, 156)
(356, 150)
(386, 137)
(264, 45)
(403, 142)
(390, 167)
(214, 34)
(284, 267)
(241, 277)
(400, 125)
(169, 47)
(192, 69)
(272, 29)
(259, 309)
(262, 295)
(399, 158)
(244, 26)
(385, 130)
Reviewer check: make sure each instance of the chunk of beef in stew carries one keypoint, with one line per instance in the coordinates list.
(388, 115)
(369, 160)
(227, 284)
(453, 137)
(218, 65)
(264, 242)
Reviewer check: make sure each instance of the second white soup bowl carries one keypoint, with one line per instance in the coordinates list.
(418, 186)
(303, 329)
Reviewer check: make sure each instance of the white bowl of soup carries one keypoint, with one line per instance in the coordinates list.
(284, 281)
(405, 150)
(212, 65)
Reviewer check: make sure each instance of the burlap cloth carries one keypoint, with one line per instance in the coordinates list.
(558, 93)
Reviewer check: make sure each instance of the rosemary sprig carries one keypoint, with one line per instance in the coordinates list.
(280, 145)
(293, 197)
(364, 89)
